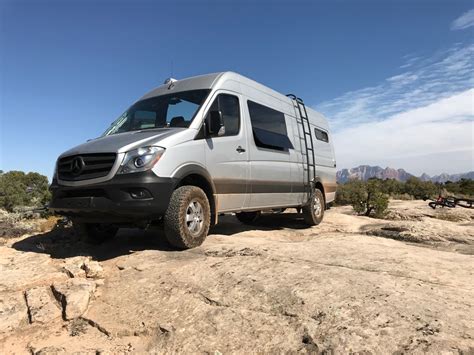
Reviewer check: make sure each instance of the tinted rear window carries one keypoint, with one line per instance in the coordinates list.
(269, 127)
(321, 135)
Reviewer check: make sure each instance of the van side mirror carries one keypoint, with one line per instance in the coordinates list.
(216, 123)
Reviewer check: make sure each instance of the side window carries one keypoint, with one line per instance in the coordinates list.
(321, 135)
(269, 127)
(229, 106)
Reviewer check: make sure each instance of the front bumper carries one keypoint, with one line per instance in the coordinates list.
(113, 201)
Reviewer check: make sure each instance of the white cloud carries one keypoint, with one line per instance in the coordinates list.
(430, 79)
(464, 21)
(410, 60)
(421, 119)
(444, 128)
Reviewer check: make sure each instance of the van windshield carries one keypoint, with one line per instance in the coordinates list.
(166, 111)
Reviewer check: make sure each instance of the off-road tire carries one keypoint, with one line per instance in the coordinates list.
(177, 231)
(311, 214)
(248, 217)
(94, 233)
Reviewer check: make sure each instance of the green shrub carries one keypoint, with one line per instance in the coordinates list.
(375, 202)
(392, 187)
(20, 189)
(421, 189)
(366, 198)
(344, 193)
(461, 188)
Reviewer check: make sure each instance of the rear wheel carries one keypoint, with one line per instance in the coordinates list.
(313, 212)
(94, 233)
(187, 218)
(248, 217)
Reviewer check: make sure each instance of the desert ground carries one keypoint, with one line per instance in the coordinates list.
(353, 284)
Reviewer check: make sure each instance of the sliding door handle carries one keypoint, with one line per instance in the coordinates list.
(240, 149)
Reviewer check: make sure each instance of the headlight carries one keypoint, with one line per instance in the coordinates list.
(140, 159)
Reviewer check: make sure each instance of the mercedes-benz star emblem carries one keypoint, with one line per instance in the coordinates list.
(76, 166)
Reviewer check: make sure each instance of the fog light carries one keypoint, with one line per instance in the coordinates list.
(139, 194)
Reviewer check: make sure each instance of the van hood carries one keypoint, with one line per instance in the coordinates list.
(117, 143)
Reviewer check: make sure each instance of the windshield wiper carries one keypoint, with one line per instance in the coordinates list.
(147, 129)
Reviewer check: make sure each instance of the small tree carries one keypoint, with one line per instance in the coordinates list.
(37, 188)
(357, 196)
(368, 199)
(20, 189)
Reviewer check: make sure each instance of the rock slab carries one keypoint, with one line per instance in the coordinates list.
(93, 269)
(74, 295)
(42, 306)
(13, 311)
(73, 270)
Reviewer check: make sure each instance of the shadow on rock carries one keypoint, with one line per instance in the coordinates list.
(62, 242)
(229, 225)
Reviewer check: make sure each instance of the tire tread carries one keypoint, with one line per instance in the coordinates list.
(175, 230)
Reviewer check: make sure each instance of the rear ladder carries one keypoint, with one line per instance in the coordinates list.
(308, 143)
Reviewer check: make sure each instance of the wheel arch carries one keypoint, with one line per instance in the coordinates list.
(317, 184)
(196, 175)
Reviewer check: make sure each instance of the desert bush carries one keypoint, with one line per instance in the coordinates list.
(376, 201)
(344, 193)
(366, 198)
(461, 188)
(421, 189)
(20, 189)
(413, 188)
(392, 187)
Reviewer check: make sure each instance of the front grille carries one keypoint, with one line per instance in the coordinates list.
(85, 166)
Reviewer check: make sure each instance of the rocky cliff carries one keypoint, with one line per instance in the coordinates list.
(365, 172)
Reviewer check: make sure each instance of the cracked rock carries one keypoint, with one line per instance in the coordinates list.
(42, 306)
(73, 270)
(74, 267)
(74, 295)
(93, 269)
(13, 311)
(77, 260)
(51, 350)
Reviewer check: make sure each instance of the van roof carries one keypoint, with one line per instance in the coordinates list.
(208, 81)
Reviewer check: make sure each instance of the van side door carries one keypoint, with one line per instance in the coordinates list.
(270, 182)
(227, 154)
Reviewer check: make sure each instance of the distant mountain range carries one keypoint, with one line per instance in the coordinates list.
(365, 172)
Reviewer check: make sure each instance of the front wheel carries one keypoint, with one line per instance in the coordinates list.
(187, 218)
(313, 212)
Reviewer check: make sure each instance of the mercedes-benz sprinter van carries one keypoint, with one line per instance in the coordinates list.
(193, 149)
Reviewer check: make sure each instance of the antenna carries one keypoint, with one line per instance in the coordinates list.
(170, 81)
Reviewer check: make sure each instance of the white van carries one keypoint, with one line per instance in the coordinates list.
(193, 149)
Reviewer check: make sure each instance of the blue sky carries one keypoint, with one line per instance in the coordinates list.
(69, 68)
